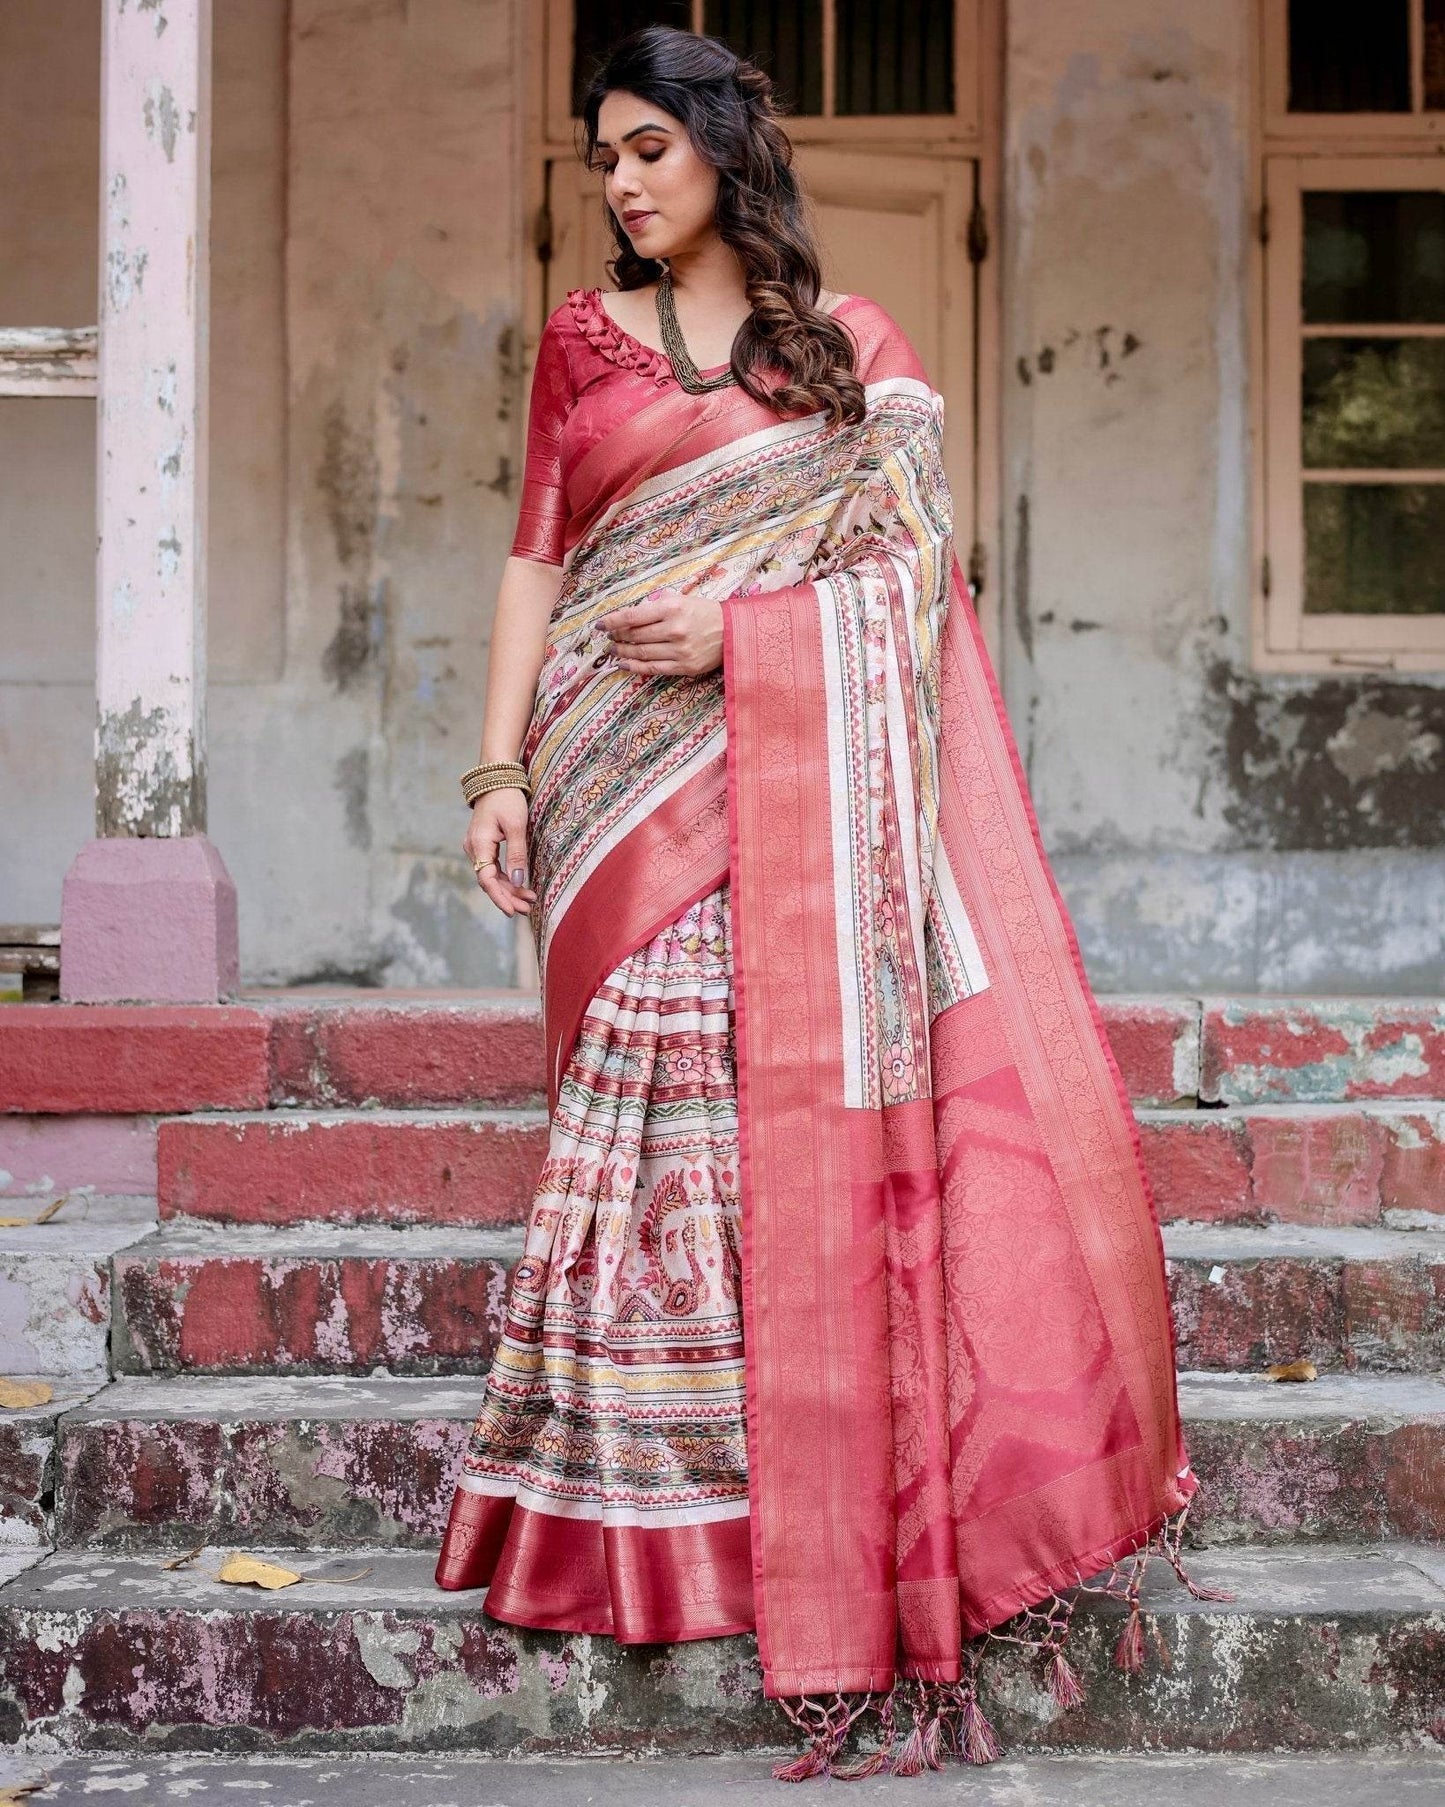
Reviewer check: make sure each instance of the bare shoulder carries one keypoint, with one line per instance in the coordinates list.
(634, 310)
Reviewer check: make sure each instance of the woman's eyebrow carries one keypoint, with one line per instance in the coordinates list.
(604, 144)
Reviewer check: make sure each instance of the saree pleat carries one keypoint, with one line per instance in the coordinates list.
(605, 1484)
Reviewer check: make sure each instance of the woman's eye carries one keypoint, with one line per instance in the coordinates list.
(651, 156)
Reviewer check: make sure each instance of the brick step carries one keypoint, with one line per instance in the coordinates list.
(334, 1461)
(1370, 1300)
(1040, 1779)
(474, 1168)
(1324, 1648)
(252, 1299)
(1298, 1163)
(236, 1299)
(1323, 1164)
(399, 1049)
(55, 1282)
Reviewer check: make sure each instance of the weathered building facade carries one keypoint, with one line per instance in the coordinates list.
(1109, 225)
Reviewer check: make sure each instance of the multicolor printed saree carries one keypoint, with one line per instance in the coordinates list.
(843, 1310)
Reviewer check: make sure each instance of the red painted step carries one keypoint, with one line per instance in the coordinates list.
(1322, 1050)
(1299, 1163)
(231, 1299)
(339, 1461)
(405, 1050)
(343, 1167)
(1308, 1164)
(118, 1059)
(1351, 1299)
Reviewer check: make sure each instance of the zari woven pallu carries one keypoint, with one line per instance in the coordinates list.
(842, 1311)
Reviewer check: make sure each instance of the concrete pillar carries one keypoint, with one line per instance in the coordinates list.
(148, 909)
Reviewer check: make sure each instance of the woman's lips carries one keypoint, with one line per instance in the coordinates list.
(633, 220)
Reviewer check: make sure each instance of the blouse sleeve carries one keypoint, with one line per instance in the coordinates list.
(542, 516)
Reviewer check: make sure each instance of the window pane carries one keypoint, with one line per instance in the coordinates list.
(895, 59)
(1434, 48)
(1377, 402)
(785, 37)
(1374, 256)
(1348, 58)
(1374, 548)
(598, 24)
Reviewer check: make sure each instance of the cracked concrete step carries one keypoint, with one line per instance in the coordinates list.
(28, 1438)
(1320, 1779)
(1349, 1456)
(55, 1282)
(474, 1168)
(207, 1298)
(235, 1299)
(1326, 1648)
(1299, 1163)
(337, 1461)
(1353, 1298)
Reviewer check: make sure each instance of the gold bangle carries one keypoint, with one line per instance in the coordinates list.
(496, 781)
(492, 775)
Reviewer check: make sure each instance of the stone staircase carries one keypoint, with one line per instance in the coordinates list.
(277, 1342)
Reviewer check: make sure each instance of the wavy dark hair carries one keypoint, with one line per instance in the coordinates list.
(727, 105)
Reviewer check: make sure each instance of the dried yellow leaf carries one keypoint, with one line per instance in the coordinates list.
(1300, 1370)
(15, 1395)
(13, 1793)
(250, 1571)
(20, 1223)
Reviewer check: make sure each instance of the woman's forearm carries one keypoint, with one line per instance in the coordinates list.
(519, 636)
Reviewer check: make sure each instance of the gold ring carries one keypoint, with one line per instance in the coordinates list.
(480, 866)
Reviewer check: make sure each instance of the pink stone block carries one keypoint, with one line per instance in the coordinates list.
(44, 1155)
(148, 921)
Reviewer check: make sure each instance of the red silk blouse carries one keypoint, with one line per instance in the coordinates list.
(589, 376)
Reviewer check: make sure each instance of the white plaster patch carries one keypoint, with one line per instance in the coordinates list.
(381, 1652)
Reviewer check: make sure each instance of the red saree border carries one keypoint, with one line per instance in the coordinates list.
(639, 1585)
(816, 1625)
(673, 857)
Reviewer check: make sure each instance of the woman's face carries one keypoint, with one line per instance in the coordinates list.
(663, 193)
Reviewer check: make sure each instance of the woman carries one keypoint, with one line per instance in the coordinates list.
(842, 1311)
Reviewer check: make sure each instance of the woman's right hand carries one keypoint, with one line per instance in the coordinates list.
(497, 844)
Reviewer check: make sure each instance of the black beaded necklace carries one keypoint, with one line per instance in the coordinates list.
(683, 367)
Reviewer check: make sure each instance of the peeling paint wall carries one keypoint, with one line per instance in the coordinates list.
(365, 395)
(1212, 825)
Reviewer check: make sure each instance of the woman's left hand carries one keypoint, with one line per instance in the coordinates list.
(671, 634)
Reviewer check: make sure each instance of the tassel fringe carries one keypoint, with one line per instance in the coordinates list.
(919, 1721)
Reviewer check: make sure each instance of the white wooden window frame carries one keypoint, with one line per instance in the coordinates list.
(965, 123)
(1331, 152)
(1335, 128)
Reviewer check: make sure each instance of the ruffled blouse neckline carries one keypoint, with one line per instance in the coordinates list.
(618, 345)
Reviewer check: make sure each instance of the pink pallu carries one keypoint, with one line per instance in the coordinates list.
(959, 1353)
